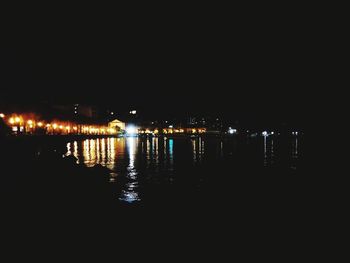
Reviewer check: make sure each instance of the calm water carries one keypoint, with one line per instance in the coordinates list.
(145, 167)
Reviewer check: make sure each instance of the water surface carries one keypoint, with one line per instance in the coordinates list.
(159, 167)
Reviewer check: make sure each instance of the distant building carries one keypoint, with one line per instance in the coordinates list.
(77, 110)
(192, 121)
(87, 111)
(117, 124)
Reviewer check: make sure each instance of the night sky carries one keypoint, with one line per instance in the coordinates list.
(244, 69)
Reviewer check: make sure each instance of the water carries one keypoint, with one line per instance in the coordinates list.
(159, 168)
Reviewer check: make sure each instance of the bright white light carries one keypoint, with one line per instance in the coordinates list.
(232, 131)
(272, 133)
(2, 115)
(171, 126)
(264, 133)
(133, 112)
(131, 130)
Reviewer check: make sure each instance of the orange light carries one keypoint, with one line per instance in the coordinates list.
(30, 124)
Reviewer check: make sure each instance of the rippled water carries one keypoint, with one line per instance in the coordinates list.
(143, 165)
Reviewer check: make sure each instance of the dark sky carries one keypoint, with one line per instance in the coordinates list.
(243, 67)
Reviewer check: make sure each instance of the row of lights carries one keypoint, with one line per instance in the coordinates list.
(18, 122)
(264, 133)
(172, 130)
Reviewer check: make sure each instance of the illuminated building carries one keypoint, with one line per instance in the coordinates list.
(117, 124)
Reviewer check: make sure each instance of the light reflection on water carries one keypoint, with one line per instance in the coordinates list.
(294, 153)
(268, 152)
(130, 193)
(133, 160)
(171, 153)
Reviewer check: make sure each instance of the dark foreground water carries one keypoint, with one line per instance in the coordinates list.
(236, 189)
(136, 171)
(159, 169)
